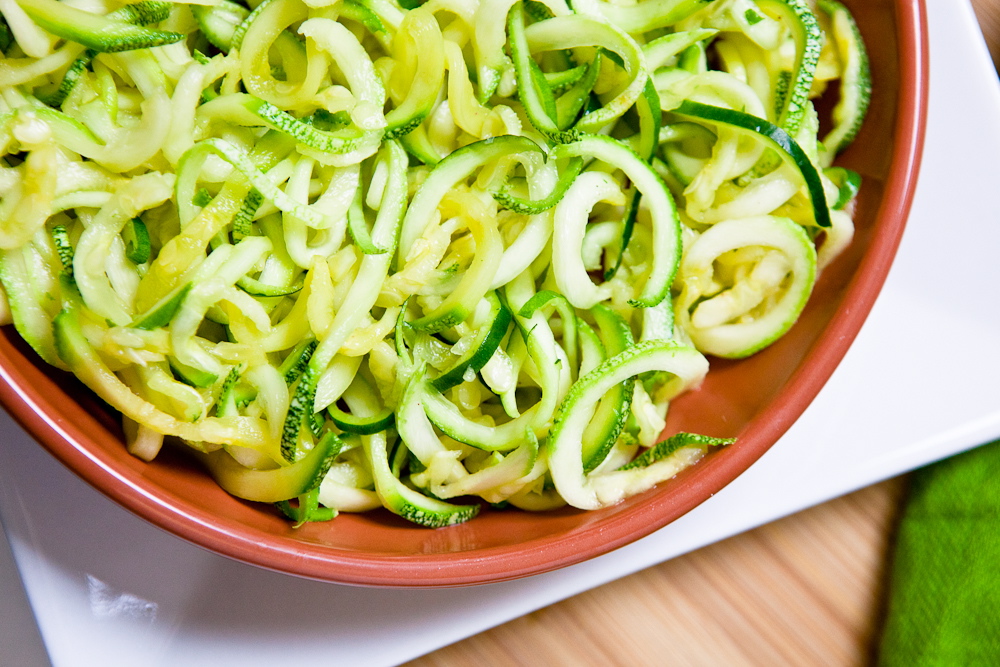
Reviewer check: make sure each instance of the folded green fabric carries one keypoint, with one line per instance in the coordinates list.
(944, 596)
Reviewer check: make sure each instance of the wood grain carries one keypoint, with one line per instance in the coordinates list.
(988, 12)
(805, 590)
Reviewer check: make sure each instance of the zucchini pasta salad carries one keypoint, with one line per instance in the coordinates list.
(418, 255)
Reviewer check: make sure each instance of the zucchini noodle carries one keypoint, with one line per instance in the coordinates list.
(423, 256)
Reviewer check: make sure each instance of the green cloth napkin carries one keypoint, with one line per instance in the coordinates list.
(944, 595)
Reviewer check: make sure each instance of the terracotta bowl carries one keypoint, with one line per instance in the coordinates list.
(755, 400)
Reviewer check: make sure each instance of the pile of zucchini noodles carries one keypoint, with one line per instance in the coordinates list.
(358, 254)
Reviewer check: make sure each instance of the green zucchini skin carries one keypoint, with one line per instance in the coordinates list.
(614, 408)
(855, 85)
(102, 34)
(590, 490)
(488, 341)
(787, 147)
(271, 486)
(348, 423)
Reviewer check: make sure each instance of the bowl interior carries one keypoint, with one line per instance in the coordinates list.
(755, 400)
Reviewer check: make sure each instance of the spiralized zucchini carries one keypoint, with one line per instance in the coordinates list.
(421, 255)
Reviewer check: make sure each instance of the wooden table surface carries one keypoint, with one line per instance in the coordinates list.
(805, 590)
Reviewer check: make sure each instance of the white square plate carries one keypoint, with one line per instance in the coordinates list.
(918, 384)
